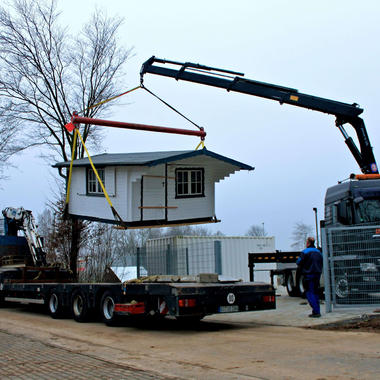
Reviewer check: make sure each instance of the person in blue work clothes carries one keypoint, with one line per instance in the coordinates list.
(310, 262)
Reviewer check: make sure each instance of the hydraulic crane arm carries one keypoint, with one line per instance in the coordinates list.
(234, 81)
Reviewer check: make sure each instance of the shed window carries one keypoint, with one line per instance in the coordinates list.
(93, 185)
(189, 183)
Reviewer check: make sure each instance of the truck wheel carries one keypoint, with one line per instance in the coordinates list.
(79, 307)
(290, 285)
(55, 307)
(341, 288)
(107, 304)
(300, 286)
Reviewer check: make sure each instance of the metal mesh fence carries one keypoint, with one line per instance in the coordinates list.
(2, 227)
(353, 268)
(176, 259)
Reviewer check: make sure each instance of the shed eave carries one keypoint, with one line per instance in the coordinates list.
(201, 152)
(102, 161)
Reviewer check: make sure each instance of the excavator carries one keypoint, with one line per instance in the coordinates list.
(354, 203)
(24, 257)
(19, 219)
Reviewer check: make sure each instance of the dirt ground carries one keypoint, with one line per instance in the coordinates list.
(369, 324)
(254, 345)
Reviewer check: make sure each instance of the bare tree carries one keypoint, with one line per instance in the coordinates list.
(107, 246)
(56, 232)
(7, 136)
(45, 228)
(187, 231)
(99, 252)
(46, 74)
(9, 146)
(299, 235)
(256, 230)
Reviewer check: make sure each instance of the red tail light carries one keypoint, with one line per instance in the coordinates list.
(187, 302)
(129, 308)
(269, 299)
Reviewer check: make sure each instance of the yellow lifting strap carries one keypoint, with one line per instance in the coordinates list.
(77, 133)
(109, 99)
(201, 144)
(71, 168)
(114, 212)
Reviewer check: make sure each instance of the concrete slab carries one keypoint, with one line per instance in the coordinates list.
(294, 311)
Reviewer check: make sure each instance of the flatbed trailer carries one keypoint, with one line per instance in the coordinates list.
(192, 297)
(113, 301)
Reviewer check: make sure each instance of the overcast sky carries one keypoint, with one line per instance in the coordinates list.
(327, 48)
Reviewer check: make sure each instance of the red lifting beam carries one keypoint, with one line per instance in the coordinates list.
(75, 119)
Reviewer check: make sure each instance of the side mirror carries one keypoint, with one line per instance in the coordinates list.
(358, 200)
(342, 214)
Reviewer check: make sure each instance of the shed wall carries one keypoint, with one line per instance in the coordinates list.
(138, 198)
(197, 207)
(96, 205)
(153, 194)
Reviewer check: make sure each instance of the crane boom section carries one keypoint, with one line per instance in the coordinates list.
(344, 112)
(265, 90)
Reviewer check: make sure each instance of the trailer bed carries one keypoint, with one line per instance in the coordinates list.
(113, 300)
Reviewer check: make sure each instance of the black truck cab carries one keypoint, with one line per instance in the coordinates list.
(355, 202)
(352, 218)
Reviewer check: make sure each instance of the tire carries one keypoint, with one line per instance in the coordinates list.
(300, 286)
(107, 304)
(79, 307)
(290, 285)
(55, 307)
(342, 290)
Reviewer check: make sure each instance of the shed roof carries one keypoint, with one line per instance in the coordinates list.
(149, 159)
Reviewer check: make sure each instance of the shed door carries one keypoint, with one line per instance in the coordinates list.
(153, 198)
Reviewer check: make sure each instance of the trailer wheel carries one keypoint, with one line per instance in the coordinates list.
(79, 307)
(290, 285)
(300, 286)
(55, 306)
(107, 304)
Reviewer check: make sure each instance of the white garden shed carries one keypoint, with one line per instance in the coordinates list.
(149, 188)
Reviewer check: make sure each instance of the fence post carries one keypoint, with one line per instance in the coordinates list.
(168, 260)
(138, 261)
(326, 271)
(187, 260)
(218, 256)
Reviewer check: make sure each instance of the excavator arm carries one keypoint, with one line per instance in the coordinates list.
(234, 81)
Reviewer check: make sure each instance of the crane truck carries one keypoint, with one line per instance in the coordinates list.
(353, 203)
(26, 277)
